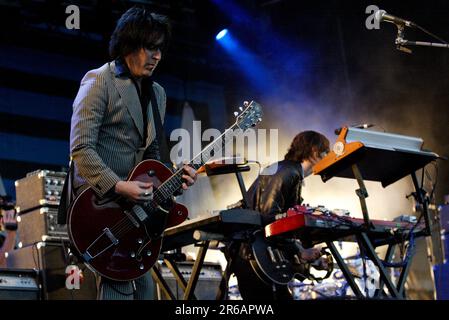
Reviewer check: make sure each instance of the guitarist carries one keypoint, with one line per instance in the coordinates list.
(117, 122)
(276, 190)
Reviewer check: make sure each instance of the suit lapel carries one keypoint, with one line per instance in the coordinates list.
(128, 93)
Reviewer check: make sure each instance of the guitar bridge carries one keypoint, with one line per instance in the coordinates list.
(87, 255)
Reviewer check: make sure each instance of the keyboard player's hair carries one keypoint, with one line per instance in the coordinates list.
(305, 144)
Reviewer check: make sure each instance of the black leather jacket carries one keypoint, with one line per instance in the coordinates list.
(276, 193)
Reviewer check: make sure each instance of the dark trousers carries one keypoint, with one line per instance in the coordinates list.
(139, 289)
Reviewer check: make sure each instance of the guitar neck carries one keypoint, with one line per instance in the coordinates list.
(174, 183)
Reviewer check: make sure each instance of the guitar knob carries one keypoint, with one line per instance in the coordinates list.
(151, 173)
(148, 253)
(139, 241)
(141, 266)
(132, 254)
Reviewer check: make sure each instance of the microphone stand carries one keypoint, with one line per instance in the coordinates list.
(401, 43)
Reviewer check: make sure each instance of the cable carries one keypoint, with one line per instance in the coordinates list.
(430, 34)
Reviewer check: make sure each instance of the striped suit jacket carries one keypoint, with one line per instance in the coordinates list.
(106, 136)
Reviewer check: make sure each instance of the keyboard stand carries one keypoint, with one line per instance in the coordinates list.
(385, 158)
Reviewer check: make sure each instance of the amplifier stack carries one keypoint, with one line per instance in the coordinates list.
(43, 243)
(40, 188)
(37, 197)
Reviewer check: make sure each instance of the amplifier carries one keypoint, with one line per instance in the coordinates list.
(40, 225)
(18, 284)
(206, 287)
(51, 260)
(39, 188)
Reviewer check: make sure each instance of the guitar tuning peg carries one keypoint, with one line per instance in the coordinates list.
(245, 103)
(241, 108)
(236, 113)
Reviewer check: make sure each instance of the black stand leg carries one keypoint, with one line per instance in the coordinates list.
(242, 189)
(388, 257)
(365, 241)
(162, 283)
(420, 198)
(362, 193)
(404, 275)
(344, 268)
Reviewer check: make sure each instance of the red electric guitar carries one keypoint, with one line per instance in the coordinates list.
(121, 240)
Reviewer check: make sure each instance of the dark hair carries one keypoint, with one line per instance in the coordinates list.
(305, 144)
(138, 28)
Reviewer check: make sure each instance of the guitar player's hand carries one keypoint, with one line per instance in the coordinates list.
(189, 177)
(310, 255)
(135, 191)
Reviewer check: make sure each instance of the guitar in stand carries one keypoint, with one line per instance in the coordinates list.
(121, 240)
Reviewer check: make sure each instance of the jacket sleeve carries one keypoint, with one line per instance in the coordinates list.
(275, 193)
(88, 112)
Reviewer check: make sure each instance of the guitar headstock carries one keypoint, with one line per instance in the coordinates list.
(250, 116)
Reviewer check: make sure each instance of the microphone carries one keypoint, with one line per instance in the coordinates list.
(382, 15)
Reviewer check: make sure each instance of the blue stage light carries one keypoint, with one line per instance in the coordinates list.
(221, 34)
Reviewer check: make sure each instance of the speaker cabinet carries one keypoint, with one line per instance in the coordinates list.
(206, 287)
(18, 284)
(52, 259)
(39, 225)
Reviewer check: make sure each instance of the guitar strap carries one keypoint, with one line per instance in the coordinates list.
(161, 138)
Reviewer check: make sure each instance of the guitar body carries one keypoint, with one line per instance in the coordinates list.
(108, 234)
(270, 263)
